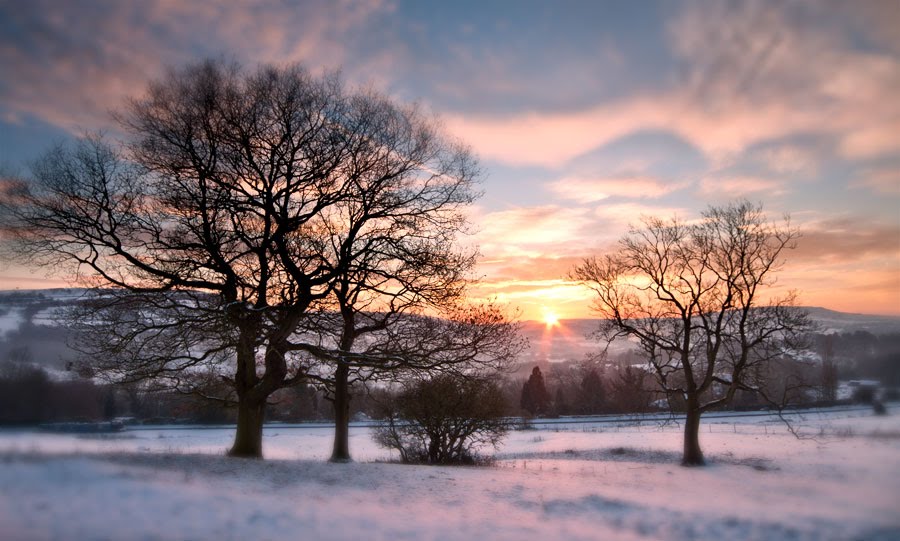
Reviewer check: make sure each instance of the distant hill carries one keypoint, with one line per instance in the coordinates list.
(831, 322)
(27, 329)
(26, 325)
(571, 340)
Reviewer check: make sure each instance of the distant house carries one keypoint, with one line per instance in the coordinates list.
(861, 390)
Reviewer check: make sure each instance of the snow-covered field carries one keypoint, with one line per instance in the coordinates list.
(605, 479)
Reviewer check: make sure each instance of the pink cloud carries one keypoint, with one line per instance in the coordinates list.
(552, 139)
(790, 160)
(739, 186)
(749, 75)
(589, 190)
(87, 59)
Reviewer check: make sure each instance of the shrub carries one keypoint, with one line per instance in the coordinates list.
(446, 419)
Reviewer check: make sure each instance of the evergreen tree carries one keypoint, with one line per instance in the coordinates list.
(535, 398)
(631, 390)
(560, 406)
(591, 393)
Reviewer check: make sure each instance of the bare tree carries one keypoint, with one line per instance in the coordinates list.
(231, 210)
(444, 420)
(405, 264)
(462, 340)
(692, 296)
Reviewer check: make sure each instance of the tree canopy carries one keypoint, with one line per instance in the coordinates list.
(239, 203)
(692, 294)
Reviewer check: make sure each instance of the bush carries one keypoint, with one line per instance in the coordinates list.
(444, 420)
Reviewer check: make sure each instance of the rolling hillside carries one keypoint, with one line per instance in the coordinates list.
(27, 328)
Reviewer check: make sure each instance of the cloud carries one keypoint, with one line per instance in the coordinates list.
(531, 231)
(847, 288)
(553, 230)
(589, 190)
(716, 187)
(883, 180)
(848, 240)
(532, 270)
(877, 20)
(747, 75)
(565, 299)
(553, 139)
(878, 139)
(615, 219)
(73, 62)
(801, 55)
(846, 263)
(787, 159)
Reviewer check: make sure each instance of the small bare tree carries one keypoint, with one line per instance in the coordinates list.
(444, 420)
(352, 345)
(692, 295)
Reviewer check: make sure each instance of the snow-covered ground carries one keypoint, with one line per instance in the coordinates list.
(604, 479)
(10, 319)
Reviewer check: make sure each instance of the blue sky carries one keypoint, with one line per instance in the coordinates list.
(585, 115)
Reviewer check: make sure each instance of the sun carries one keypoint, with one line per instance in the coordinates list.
(551, 319)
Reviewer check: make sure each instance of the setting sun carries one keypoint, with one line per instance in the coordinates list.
(550, 319)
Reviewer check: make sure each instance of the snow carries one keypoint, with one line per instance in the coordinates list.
(11, 319)
(602, 479)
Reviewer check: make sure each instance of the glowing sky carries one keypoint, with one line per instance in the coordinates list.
(585, 114)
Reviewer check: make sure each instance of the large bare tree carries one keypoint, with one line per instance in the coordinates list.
(407, 264)
(233, 206)
(693, 296)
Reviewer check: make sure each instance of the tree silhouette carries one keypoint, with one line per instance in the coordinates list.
(535, 398)
(590, 393)
(237, 201)
(631, 390)
(560, 406)
(444, 419)
(691, 295)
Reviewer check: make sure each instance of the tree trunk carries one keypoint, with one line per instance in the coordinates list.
(693, 456)
(248, 437)
(341, 450)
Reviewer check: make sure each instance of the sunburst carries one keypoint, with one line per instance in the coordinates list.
(551, 319)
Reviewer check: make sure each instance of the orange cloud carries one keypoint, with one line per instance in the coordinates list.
(848, 240)
(847, 264)
(530, 230)
(534, 299)
(533, 269)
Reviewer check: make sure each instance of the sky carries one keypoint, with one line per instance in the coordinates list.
(585, 115)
